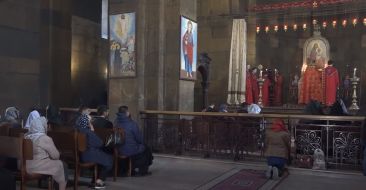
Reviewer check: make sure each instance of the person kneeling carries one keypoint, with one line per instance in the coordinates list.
(277, 149)
(133, 147)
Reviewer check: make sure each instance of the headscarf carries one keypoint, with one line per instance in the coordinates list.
(83, 121)
(278, 125)
(254, 109)
(223, 108)
(32, 115)
(38, 128)
(11, 114)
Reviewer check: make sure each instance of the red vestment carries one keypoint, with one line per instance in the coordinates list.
(331, 85)
(248, 89)
(278, 90)
(188, 46)
(255, 88)
(265, 91)
(311, 88)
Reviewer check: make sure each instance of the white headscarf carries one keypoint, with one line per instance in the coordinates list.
(32, 115)
(38, 128)
(254, 109)
(11, 114)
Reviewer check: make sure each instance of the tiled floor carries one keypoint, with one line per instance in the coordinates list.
(171, 173)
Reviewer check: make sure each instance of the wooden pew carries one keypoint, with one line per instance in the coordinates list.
(71, 144)
(104, 133)
(21, 149)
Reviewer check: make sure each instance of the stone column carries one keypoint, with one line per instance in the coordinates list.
(55, 59)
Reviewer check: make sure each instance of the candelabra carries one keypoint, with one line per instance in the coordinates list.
(260, 84)
(355, 82)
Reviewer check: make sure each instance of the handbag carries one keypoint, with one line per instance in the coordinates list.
(115, 139)
(304, 161)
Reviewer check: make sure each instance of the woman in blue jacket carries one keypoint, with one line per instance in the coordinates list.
(94, 152)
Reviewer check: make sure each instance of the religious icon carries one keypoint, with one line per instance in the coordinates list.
(122, 45)
(188, 53)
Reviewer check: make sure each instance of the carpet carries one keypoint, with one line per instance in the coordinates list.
(243, 180)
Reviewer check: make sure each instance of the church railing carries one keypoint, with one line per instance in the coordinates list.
(240, 136)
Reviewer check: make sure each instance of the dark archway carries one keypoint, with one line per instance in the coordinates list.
(204, 68)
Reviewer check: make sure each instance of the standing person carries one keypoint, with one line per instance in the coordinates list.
(34, 114)
(331, 83)
(188, 46)
(265, 90)
(101, 120)
(134, 146)
(277, 148)
(254, 83)
(94, 152)
(46, 158)
(278, 88)
(249, 98)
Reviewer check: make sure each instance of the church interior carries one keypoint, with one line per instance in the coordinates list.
(221, 94)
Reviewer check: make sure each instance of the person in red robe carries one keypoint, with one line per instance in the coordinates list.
(311, 87)
(188, 45)
(331, 83)
(265, 90)
(249, 98)
(278, 88)
(255, 88)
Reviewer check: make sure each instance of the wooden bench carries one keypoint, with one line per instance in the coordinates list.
(21, 149)
(104, 133)
(71, 144)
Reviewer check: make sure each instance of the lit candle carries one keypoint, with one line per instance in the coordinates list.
(354, 72)
(260, 74)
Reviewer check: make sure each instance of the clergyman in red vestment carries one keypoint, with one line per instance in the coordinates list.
(278, 88)
(331, 83)
(265, 91)
(311, 87)
(255, 88)
(249, 99)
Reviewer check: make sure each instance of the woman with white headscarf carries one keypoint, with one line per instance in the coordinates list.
(12, 116)
(46, 158)
(32, 115)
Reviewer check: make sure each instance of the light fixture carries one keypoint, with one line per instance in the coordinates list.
(334, 23)
(354, 22)
(258, 29)
(295, 27)
(315, 22)
(364, 21)
(276, 28)
(344, 23)
(285, 28)
(304, 26)
(267, 29)
(324, 24)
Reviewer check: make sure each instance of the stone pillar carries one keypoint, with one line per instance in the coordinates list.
(55, 59)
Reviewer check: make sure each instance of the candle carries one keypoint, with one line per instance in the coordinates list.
(354, 72)
(260, 74)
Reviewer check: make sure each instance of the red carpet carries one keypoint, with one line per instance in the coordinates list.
(243, 180)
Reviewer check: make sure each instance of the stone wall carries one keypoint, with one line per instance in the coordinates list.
(88, 67)
(215, 19)
(19, 54)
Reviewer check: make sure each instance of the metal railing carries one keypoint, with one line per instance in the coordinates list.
(241, 136)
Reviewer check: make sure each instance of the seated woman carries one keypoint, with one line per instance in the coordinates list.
(94, 152)
(277, 148)
(34, 114)
(46, 158)
(12, 116)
